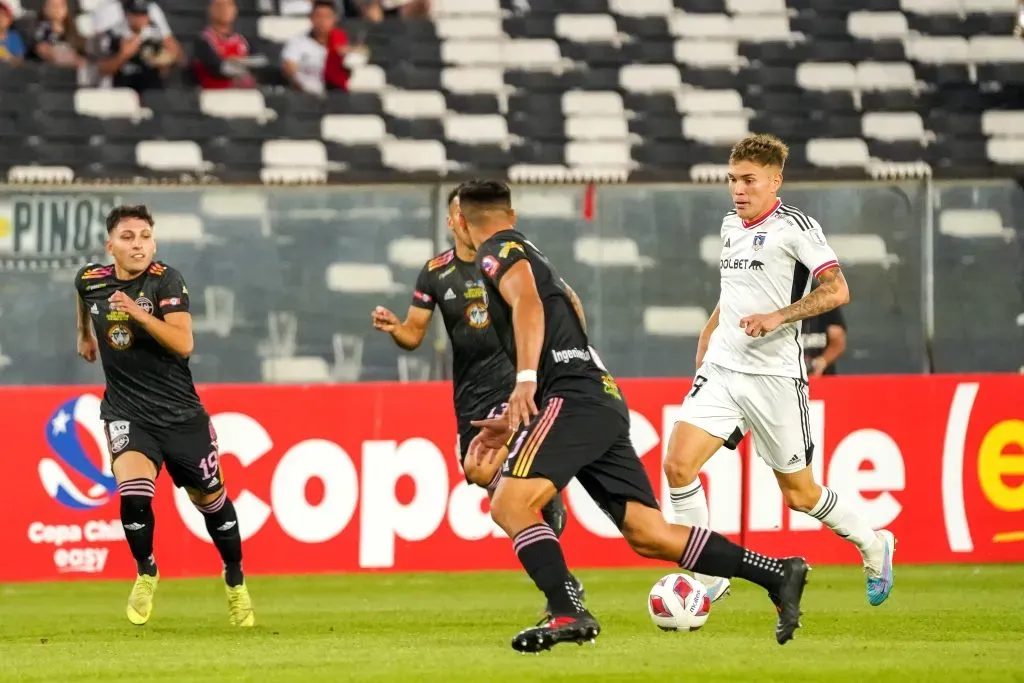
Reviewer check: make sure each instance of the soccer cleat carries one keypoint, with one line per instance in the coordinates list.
(579, 590)
(878, 568)
(140, 602)
(240, 611)
(717, 587)
(794, 578)
(552, 630)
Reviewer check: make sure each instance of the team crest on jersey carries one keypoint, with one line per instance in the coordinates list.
(476, 315)
(442, 260)
(509, 247)
(489, 265)
(759, 240)
(145, 304)
(119, 337)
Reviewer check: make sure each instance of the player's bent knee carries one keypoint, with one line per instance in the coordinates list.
(133, 465)
(689, 448)
(801, 500)
(481, 475)
(799, 489)
(517, 502)
(203, 499)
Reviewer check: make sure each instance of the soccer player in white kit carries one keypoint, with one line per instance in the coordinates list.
(750, 367)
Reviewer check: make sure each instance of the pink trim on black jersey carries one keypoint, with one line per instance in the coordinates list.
(763, 217)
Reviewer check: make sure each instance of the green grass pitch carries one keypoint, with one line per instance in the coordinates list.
(942, 623)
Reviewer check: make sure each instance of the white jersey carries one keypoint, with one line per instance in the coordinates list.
(766, 264)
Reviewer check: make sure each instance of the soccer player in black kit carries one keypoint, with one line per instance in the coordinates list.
(134, 314)
(567, 418)
(483, 374)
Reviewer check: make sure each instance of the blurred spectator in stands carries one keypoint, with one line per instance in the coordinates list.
(57, 40)
(378, 10)
(220, 52)
(12, 47)
(321, 59)
(110, 14)
(824, 339)
(1018, 30)
(136, 53)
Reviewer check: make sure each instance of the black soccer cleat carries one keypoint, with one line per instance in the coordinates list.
(552, 630)
(787, 602)
(579, 590)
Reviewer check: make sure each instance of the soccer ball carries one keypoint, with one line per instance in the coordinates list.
(678, 603)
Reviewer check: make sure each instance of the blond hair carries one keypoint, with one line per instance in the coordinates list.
(762, 149)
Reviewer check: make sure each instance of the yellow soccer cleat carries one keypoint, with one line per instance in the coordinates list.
(240, 606)
(140, 602)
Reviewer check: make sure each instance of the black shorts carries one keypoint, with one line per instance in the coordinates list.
(188, 449)
(589, 441)
(467, 432)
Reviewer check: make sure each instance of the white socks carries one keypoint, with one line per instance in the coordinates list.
(689, 504)
(843, 520)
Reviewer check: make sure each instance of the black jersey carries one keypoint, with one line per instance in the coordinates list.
(483, 374)
(568, 364)
(136, 72)
(146, 383)
(814, 335)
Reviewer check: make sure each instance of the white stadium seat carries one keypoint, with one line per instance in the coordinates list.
(235, 104)
(468, 79)
(932, 6)
(281, 29)
(761, 29)
(412, 104)
(872, 76)
(367, 78)
(468, 52)
(535, 54)
(893, 126)
(715, 129)
(476, 128)
(701, 26)
(861, 249)
(487, 28)
(674, 321)
(410, 252)
(756, 7)
(610, 251)
(294, 154)
(108, 103)
(937, 49)
(642, 8)
(826, 76)
(707, 53)
(353, 129)
(40, 174)
(989, 49)
(1008, 151)
(414, 155)
(362, 278)
(162, 155)
(603, 155)
(709, 102)
(1003, 123)
(295, 370)
(179, 227)
(487, 8)
(596, 128)
(876, 25)
(971, 223)
(579, 102)
(837, 153)
(650, 78)
(586, 28)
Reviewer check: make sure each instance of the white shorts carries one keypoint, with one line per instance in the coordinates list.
(726, 404)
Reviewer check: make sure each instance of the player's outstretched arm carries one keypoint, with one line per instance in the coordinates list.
(87, 345)
(519, 289)
(577, 304)
(705, 335)
(832, 293)
(407, 334)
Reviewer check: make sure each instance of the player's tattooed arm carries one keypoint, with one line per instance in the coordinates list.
(832, 293)
(574, 299)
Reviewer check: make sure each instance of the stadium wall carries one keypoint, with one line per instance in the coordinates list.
(361, 477)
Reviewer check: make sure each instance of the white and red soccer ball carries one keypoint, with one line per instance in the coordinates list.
(678, 602)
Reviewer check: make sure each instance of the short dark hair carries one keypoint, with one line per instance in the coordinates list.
(490, 193)
(317, 4)
(126, 211)
(454, 194)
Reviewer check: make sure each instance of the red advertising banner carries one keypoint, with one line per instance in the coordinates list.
(364, 477)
